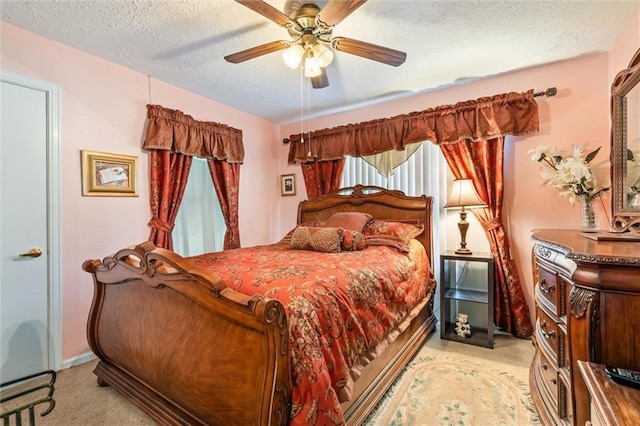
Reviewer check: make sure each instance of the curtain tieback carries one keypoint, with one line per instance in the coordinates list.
(160, 225)
(493, 224)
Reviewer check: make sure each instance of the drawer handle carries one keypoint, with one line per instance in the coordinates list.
(545, 288)
(554, 381)
(544, 366)
(546, 334)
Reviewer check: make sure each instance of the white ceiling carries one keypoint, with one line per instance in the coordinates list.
(447, 42)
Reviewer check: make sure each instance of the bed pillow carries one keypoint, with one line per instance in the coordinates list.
(287, 238)
(323, 239)
(352, 240)
(388, 240)
(353, 221)
(394, 234)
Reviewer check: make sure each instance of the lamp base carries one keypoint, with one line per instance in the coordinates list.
(463, 226)
(463, 250)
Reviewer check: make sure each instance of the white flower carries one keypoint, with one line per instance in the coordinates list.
(573, 175)
(541, 152)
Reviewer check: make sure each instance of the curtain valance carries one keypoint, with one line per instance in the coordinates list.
(172, 130)
(483, 118)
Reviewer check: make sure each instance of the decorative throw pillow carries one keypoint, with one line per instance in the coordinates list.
(354, 221)
(387, 240)
(394, 234)
(404, 231)
(327, 240)
(352, 240)
(287, 238)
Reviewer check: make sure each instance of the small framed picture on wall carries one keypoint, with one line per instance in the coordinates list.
(287, 185)
(109, 175)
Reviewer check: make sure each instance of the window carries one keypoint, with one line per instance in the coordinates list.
(200, 226)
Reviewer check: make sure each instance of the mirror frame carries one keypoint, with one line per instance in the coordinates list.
(624, 218)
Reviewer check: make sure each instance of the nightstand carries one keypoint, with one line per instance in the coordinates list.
(467, 287)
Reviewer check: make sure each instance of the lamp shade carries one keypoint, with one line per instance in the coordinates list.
(323, 54)
(311, 67)
(463, 194)
(293, 56)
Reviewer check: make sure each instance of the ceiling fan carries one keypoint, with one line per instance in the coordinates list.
(312, 45)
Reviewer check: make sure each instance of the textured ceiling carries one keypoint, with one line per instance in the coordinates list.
(447, 42)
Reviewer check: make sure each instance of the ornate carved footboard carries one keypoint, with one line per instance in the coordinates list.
(185, 353)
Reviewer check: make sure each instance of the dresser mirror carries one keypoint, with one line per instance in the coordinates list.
(625, 148)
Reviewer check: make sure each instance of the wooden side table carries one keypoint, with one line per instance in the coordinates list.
(611, 403)
(458, 292)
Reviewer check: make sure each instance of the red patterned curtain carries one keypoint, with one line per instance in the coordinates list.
(226, 180)
(482, 162)
(173, 138)
(322, 177)
(168, 175)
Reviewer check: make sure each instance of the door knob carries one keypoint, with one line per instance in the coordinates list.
(34, 252)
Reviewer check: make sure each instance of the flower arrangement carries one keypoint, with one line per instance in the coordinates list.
(573, 175)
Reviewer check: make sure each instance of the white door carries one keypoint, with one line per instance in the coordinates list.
(28, 338)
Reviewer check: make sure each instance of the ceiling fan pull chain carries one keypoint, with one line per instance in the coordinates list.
(309, 113)
(301, 104)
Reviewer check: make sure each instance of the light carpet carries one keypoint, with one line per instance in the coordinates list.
(448, 383)
(451, 383)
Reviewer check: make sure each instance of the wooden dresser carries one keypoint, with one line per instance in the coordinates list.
(587, 296)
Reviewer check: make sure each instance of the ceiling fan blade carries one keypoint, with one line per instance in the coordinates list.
(369, 51)
(320, 81)
(254, 52)
(336, 10)
(268, 11)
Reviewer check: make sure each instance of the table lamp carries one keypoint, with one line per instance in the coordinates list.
(463, 195)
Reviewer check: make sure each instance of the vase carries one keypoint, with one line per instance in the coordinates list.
(589, 215)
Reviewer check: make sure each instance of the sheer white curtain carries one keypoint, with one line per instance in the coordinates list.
(199, 224)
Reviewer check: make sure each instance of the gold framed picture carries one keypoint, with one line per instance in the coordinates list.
(109, 175)
(287, 185)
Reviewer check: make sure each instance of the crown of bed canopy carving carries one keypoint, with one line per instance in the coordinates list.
(484, 118)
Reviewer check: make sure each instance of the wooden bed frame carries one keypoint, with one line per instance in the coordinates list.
(184, 348)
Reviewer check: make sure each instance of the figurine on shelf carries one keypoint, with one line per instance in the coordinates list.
(463, 328)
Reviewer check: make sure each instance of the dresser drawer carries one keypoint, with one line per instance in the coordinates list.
(548, 335)
(549, 376)
(565, 405)
(548, 289)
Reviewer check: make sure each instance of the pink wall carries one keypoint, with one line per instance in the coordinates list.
(625, 46)
(578, 114)
(104, 109)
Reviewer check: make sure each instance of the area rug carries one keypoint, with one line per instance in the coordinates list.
(454, 391)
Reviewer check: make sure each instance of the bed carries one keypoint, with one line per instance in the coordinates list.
(197, 341)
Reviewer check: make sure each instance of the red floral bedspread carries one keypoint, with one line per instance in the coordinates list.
(339, 306)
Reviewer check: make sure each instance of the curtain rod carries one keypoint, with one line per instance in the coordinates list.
(551, 91)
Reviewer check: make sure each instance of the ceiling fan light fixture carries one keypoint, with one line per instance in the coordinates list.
(311, 67)
(323, 55)
(293, 56)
